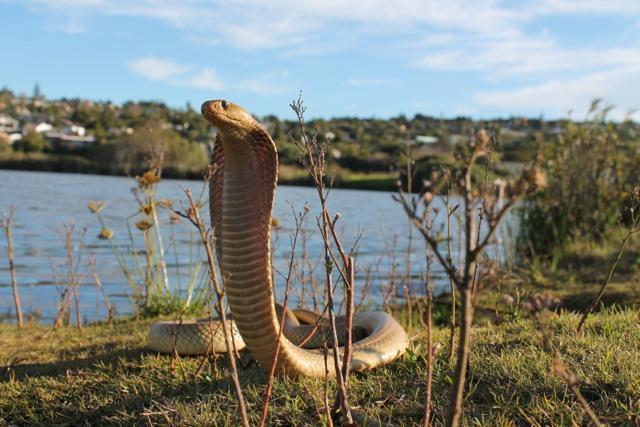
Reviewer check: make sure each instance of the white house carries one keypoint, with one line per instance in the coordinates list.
(426, 139)
(43, 127)
(8, 124)
(14, 137)
(75, 130)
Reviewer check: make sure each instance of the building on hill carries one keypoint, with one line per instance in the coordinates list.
(73, 129)
(8, 124)
(60, 140)
(428, 145)
(43, 127)
(15, 137)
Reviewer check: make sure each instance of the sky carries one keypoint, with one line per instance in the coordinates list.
(365, 58)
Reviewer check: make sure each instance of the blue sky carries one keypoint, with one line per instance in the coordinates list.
(363, 58)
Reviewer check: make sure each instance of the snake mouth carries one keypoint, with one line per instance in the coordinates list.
(209, 111)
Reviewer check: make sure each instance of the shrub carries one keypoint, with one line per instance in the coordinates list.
(32, 142)
(590, 169)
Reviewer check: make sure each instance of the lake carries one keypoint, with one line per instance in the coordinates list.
(45, 202)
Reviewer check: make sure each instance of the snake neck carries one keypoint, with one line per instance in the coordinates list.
(250, 175)
(250, 169)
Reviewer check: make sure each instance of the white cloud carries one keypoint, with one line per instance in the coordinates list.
(272, 83)
(263, 23)
(170, 72)
(618, 87)
(206, 78)
(277, 23)
(153, 68)
(263, 87)
(492, 39)
(522, 55)
(611, 7)
(167, 71)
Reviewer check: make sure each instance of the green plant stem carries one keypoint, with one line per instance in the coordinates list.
(630, 232)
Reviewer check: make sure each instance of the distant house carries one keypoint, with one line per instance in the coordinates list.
(23, 113)
(69, 142)
(14, 137)
(119, 131)
(428, 145)
(426, 139)
(556, 130)
(181, 127)
(455, 139)
(8, 124)
(512, 134)
(75, 130)
(43, 127)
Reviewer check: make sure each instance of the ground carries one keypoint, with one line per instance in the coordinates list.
(105, 375)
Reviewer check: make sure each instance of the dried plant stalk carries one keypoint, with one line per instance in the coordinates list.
(105, 298)
(272, 370)
(8, 228)
(193, 215)
(313, 156)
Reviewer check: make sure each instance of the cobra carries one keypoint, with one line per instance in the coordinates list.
(242, 191)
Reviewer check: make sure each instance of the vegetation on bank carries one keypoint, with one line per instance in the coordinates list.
(288, 174)
(593, 168)
(365, 153)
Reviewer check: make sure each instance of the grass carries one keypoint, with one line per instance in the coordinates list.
(342, 178)
(578, 269)
(105, 375)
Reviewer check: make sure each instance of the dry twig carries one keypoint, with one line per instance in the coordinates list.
(193, 215)
(7, 224)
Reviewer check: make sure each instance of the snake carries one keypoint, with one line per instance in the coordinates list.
(242, 187)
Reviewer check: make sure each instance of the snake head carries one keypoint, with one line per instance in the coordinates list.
(227, 116)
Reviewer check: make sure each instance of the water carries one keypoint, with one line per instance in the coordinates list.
(45, 202)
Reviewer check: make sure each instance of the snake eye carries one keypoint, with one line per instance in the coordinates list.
(224, 104)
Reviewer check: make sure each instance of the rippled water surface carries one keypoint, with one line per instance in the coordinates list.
(45, 202)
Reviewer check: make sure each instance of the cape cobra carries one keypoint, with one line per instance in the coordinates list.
(242, 190)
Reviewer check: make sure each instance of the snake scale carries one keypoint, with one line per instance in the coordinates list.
(242, 190)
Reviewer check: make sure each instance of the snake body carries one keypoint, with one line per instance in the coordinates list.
(242, 190)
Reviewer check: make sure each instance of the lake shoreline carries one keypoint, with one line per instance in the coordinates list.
(362, 181)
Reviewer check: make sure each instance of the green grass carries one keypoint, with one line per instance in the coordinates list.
(342, 178)
(577, 271)
(104, 375)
